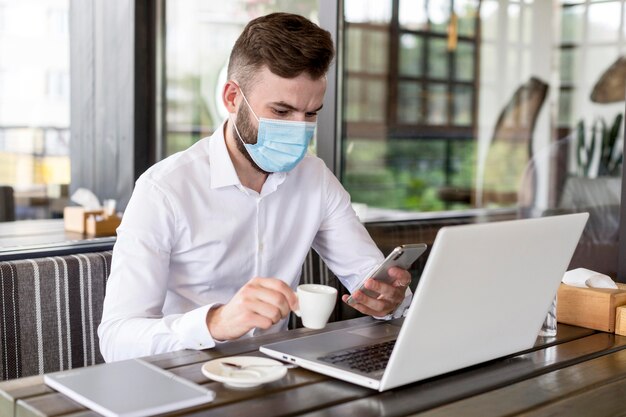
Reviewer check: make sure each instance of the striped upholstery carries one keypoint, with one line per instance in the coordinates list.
(50, 311)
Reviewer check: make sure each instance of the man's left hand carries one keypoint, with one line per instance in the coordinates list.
(390, 294)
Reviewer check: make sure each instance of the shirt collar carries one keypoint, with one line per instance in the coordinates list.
(221, 166)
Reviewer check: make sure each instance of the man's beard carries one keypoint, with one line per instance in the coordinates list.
(248, 135)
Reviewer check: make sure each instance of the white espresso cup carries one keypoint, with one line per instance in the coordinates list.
(316, 304)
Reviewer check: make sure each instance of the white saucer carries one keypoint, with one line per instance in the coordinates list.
(245, 378)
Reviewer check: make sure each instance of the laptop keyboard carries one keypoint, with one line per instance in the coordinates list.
(365, 359)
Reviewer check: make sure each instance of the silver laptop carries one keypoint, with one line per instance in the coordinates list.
(484, 294)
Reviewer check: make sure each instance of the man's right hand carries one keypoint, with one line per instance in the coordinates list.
(261, 303)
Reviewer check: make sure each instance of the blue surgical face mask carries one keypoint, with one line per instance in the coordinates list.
(280, 144)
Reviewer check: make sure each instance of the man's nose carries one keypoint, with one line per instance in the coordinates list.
(299, 117)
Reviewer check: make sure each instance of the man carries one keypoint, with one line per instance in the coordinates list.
(212, 242)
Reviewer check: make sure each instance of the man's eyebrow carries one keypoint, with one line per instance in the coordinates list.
(292, 108)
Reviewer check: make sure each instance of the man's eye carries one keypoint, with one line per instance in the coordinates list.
(280, 112)
(309, 115)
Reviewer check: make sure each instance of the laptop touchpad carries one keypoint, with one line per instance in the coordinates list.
(377, 332)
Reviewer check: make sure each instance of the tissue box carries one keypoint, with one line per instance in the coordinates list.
(75, 218)
(594, 308)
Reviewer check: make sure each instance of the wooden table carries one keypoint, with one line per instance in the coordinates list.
(578, 373)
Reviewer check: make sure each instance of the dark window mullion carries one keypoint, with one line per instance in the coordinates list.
(424, 84)
(394, 65)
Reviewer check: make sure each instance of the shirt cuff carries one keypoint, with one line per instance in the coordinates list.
(192, 329)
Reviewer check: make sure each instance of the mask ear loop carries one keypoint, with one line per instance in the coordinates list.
(231, 119)
(246, 100)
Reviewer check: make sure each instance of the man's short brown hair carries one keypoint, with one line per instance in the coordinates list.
(288, 44)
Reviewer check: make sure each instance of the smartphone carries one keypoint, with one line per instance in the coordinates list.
(402, 256)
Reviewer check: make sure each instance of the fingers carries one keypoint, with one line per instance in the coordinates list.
(261, 303)
(401, 277)
(390, 294)
(365, 305)
(270, 296)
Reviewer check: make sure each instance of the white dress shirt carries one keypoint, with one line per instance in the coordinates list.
(192, 236)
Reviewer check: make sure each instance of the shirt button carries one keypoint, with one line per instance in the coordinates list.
(260, 247)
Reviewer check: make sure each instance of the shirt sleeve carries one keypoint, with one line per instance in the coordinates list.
(344, 244)
(133, 323)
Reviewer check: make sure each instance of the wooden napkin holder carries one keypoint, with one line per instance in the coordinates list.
(75, 218)
(102, 225)
(594, 308)
(90, 222)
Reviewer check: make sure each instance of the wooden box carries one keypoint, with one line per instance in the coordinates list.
(75, 218)
(594, 308)
(102, 226)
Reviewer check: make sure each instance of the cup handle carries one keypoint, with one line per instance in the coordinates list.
(297, 312)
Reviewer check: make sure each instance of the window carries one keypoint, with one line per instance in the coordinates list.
(34, 106)
(58, 85)
(592, 38)
(409, 112)
(58, 22)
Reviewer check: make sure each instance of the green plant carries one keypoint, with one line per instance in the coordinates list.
(611, 154)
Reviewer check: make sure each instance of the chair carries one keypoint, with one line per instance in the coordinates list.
(7, 204)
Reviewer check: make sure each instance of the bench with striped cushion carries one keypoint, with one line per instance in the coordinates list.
(49, 312)
(50, 309)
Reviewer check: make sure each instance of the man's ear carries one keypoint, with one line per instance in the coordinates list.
(229, 94)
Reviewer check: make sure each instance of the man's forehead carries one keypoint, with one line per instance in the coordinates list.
(292, 93)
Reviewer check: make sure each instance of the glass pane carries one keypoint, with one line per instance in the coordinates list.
(489, 20)
(404, 173)
(513, 64)
(464, 66)
(377, 52)
(602, 24)
(597, 61)
(525, 70)
(489, 64)
(411, 61)
(439, 15)
(412, 14)
(572, 22)
(568, 64)
(513, 22)
(437, 59)
(527, 24)
(565, 108)
(409, 103)
(463, 105)
(35, 106)
(362, 11)
(437, 104)
(353, 101)
(466, 11)
(366, 175)
(354, 52)
(366, 100)
(200, 36)
(462, 163)
(366, 50)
